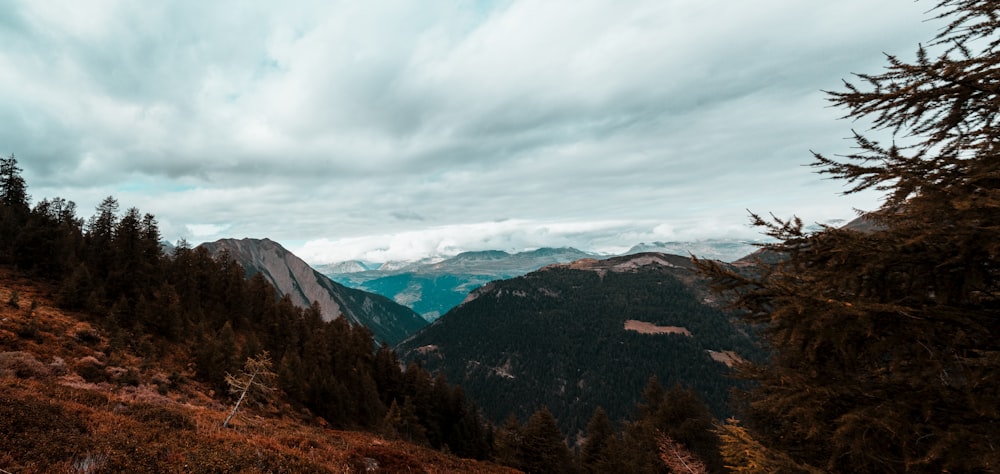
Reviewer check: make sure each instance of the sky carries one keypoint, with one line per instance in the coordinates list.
(395, 130)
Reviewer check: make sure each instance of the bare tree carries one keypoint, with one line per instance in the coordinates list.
(678, 458)
(254, 381)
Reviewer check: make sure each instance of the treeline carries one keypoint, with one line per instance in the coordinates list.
(667, 423)
(151, 303)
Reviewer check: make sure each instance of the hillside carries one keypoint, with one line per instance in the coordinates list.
(388, 321)
(433, 288)
(585, 334)
(74, 401)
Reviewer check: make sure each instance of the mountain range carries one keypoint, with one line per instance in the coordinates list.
(387, 320)
(432, 287)
(571, 336)
(589, 333)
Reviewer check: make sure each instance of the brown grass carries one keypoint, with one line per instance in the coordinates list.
(642, 327)
(67, 407)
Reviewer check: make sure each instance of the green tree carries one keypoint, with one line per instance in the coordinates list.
(401, 421)
(13, 189)
(13, 205)
(508, 441)
(885, 341)
(745, 455)
(600, 443)
(543, 449)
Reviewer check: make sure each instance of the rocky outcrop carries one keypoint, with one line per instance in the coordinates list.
(290, 275)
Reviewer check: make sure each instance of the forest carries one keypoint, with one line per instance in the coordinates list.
(558, 335)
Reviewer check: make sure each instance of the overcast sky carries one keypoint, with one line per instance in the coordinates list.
(387, 130)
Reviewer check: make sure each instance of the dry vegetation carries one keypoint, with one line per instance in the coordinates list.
(643, 327)
(69, 405)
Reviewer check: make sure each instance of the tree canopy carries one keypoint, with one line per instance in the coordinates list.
(885, 340)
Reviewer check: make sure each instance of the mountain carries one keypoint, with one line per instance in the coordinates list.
(387, 320)
(349, 266)
(585, 334)
(716, 249)
(431, 288)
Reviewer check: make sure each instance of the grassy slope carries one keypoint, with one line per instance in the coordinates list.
(68, 406)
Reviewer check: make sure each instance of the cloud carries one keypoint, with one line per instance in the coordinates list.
(205, 230)
(374, 121)
(512, 235)
(407, 216)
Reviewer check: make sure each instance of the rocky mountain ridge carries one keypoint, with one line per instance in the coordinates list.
(290, 275)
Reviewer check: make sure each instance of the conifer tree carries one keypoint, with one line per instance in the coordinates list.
(543, 449)
(745, 455)
(401, 421)
(13, 205)
(13, 189)
(600, 435)
(886, 340)
(508, 441)
(255, 381)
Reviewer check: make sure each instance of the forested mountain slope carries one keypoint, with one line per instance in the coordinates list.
(586, 334)
(77, 398)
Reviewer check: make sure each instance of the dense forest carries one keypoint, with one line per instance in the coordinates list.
(557, 338)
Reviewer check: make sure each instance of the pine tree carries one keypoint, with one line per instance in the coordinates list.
(680, 415)
(508, 441)
(885, 341)
(745, 455)
(13, 205)
(603, 451)
(600, 434)
(401, 422)
(13, 189)
(543, 449)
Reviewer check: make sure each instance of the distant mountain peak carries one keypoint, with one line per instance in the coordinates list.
(290, 275)
(627, 262)
(483, 254)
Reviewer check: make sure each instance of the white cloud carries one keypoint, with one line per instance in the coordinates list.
(205, 230)
(392, 129)
(511, 235)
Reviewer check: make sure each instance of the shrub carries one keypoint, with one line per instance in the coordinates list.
(91, 370)
(22, 365)
(39, 433)
(365, 459)
(173, 419)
